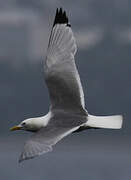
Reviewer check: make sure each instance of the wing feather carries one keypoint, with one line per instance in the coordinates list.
(61, 74)
(42, 141)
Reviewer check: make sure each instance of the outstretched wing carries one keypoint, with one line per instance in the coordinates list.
(42, 141)
(61, 74)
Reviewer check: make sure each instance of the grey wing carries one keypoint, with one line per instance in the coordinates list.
(61, 74)
(42, 141)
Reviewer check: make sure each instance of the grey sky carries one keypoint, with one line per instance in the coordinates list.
(103, 33)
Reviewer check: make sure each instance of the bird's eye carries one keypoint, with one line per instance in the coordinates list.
(23, 124)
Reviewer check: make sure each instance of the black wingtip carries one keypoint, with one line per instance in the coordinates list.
(61, 17)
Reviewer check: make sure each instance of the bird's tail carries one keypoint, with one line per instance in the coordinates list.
(110, 122)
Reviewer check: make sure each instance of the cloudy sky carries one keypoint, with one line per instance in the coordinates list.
(103, 34)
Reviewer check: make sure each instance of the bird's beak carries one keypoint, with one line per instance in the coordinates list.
(14, 128)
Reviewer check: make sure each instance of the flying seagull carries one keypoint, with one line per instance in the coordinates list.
(67, 112)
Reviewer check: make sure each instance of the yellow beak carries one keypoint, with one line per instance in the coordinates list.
(14, 128)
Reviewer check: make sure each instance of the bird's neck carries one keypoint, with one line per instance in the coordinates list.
(38, 122)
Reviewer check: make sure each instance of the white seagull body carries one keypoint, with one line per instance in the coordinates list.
(67, 111)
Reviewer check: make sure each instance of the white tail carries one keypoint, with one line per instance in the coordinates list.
(111, 122)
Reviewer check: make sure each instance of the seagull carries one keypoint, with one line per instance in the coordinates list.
(67, 112)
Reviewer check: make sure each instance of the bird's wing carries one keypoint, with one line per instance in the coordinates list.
(42, 141)
(61, 74)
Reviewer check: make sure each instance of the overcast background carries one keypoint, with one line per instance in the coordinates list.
(103, 33)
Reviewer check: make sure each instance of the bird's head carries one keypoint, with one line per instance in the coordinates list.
(27, 125)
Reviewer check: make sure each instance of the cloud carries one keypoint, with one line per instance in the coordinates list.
(89, 38)
(123, 36)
